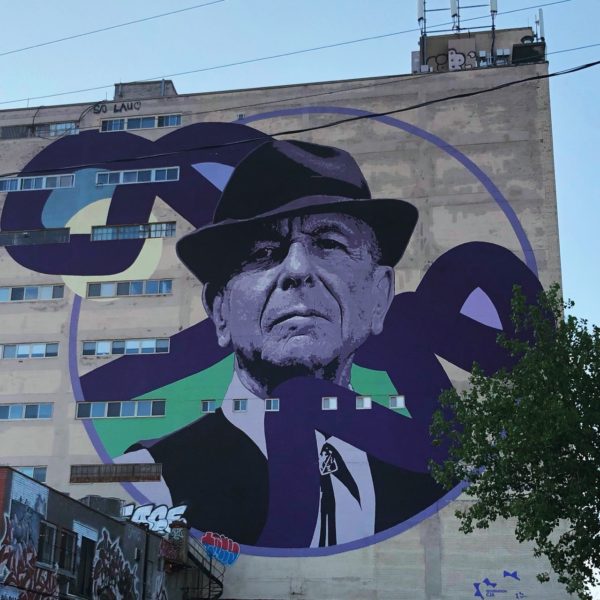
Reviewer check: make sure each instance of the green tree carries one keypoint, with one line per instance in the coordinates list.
(527, 439)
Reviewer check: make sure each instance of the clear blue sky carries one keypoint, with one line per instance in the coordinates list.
(237, 30)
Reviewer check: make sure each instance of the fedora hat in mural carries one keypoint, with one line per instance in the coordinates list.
(287, 178)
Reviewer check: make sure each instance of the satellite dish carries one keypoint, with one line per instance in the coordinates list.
(527, 39)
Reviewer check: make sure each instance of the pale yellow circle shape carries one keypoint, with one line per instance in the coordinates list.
(144, 266)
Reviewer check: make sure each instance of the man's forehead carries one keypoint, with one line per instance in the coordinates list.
(314, 223)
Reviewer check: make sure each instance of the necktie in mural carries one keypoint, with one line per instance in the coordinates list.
(332, 464)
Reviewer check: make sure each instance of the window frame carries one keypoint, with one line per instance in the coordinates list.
(130, 281)
(39, 288)
(211, 406)
(21, 183)
(367, 402)
(393, 401)
(52, 527)
(33, 468)
(329, 403)
(23, 406)
(272, 404)
(118, 342)
(18, 345)
(35, 237)
(136, 415)
(125, 122)
(114, 472)
(56, 547)
(126, 174)
(240, 405)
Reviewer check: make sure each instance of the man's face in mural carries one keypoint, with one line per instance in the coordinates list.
(308, 292)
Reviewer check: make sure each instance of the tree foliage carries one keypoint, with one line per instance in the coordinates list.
(527, 439)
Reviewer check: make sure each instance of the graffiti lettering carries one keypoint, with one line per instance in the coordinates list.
(102, 107)
(220, 547)
(453, 61)
(127, 106)
(159, 518)
(112, 574)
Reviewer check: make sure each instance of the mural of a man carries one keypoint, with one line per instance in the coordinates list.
(298, 264)
(298, 272)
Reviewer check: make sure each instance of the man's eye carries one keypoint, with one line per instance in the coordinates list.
(329, 244)
(264, 253)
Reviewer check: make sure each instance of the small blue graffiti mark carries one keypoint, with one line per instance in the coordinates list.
(520, 595)
(491, 590)
(512, 574)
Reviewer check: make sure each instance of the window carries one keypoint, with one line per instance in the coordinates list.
(56, 129)
(38, 182)
(82, 586)
(36, 350)
(104, 233)
(67, 541)
(14, 412)
(397, 402)
(363, 402)
(208, 406)
(37, 473)
(29, 238)
(137, 346)
(272, 404)
(329, 403)
(240, 405)
(31, 292)
(128, 408)
(56, 545)
(140, 176)
(110, 289)
(115, 472)
(46, 543)
(150, 122)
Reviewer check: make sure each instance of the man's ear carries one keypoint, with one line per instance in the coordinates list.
(218, 310)
(383, 295)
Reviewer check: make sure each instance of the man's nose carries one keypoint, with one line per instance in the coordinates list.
(297, 267)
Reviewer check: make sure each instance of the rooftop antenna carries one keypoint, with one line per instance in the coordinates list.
(422, 20)
(493, 12)
(455, 14)
(541, 23)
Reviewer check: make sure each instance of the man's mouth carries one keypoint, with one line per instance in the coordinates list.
(299, 314)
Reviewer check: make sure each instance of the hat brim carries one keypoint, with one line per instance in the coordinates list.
(209, 251)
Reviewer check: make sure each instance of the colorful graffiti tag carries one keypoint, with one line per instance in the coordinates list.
(20, 575)
(298, 264)
(220, 547)
(158, 518)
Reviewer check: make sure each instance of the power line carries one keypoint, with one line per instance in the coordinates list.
(274, 56)
(110, 27)
(573, 49)
(334, 123)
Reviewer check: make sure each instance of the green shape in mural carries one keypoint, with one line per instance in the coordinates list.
(182, 407)
(183, 399)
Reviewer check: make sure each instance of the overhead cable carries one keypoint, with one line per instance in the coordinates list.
(94, 31)
(333, 123)
(272, 56)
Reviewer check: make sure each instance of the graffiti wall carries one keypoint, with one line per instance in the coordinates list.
(51, 546)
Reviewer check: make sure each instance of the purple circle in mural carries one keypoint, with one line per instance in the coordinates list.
(460, 329)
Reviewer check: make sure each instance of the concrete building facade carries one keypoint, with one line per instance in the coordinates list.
(115, 384)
